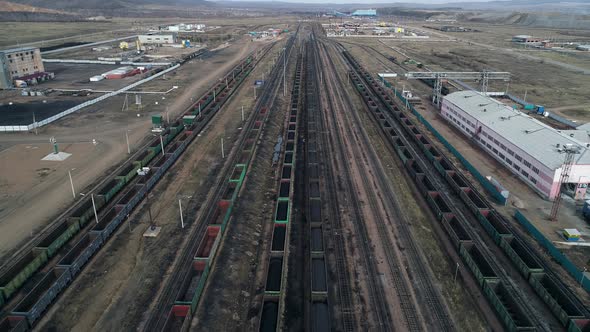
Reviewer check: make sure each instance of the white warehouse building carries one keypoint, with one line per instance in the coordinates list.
(529, 148)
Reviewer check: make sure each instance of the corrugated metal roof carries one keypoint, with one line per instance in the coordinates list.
(365, 12)
(536, 138)
(18, 49)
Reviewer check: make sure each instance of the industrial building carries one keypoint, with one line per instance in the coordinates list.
(526, 39)
(157, 39)
(19, 62)
(365, 13)
(530, 149)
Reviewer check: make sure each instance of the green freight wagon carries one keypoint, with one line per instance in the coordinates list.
(560, 304)
(520, 256)
(478, 264)
(493, 225)
(507, 308)
(59, 236)
(146, 156)
(111, 189)
(86, 212)
(16, 276)
(188, 120)
(129, 171)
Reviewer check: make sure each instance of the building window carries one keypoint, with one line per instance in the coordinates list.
(496, 141)
(536, 170)
(527, 164)
(526, 175)
(509, 162)
(503, 146)
(516, 167)
(510, 152)
(495, 151)
(533, 180)
(488, 145)
(519, 158)
(501, 155)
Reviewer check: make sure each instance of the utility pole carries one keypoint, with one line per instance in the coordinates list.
(127, 139)
(94, 207)
(570, 152)
(72, 183)
(242, 113)
(35, 124)
(222, 151)
(180, 208)
(162, 145)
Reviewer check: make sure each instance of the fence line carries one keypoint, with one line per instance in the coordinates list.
(85, 104)
(553, 251)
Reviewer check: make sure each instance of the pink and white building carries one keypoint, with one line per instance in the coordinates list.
(529, 148)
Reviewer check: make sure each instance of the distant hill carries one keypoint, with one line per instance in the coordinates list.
(10, 11)
(107, 4)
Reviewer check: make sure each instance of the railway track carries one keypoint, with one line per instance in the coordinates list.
(318, 208)
(425, 288)
(430, 301)
(332, 106)
(182, 292)
(529, 309)
(123, 191)
(540, 257)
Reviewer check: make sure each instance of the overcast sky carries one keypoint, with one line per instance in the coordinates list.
(369, 1)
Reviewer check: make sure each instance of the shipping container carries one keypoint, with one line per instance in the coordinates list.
(20, 272)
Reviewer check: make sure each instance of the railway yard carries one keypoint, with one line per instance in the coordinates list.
(292, 182)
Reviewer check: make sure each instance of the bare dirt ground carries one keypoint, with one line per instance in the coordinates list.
(128, 282)
(522, 197)
(106, 123)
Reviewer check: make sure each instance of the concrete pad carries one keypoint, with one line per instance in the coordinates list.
(61, 156)
(152, 232)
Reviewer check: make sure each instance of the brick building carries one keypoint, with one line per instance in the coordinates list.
(19, 62)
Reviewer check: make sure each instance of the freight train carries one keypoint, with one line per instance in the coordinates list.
(570, 313)
(71, 257)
